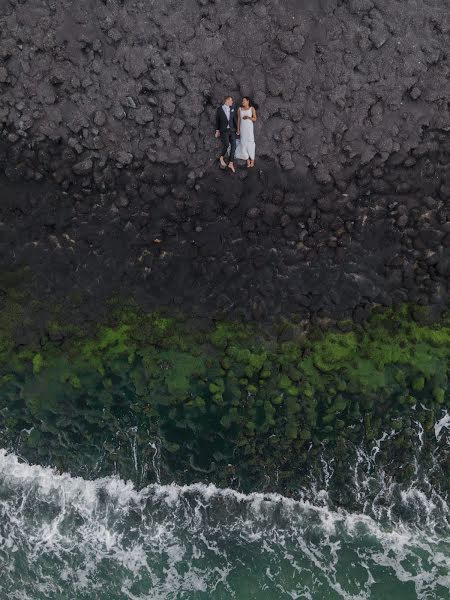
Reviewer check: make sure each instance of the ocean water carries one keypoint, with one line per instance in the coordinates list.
(65, 537)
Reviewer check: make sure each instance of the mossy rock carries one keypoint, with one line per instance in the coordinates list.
(237, 385)
(439, 395)
(418, 383)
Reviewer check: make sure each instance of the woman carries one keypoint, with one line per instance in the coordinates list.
(246, 146)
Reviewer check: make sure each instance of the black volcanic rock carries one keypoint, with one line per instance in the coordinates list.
(335, 81)
(108, 174)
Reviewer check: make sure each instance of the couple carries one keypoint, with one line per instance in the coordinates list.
(231, 123)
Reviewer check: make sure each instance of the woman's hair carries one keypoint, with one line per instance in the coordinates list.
(250, 102)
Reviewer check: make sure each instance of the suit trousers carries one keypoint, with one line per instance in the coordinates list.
(228, 138)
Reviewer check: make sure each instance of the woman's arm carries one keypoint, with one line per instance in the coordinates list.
(238, 130)
(253, 117)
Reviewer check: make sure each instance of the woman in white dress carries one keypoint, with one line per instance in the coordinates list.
(245, 149)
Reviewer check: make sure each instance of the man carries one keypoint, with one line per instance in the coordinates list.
(226, 126)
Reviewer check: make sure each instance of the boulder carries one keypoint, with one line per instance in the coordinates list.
(83, 167)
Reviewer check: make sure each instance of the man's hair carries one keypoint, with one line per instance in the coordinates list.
(225, 98)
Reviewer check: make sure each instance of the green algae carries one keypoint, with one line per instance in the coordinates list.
(235, 394)
(38, 362)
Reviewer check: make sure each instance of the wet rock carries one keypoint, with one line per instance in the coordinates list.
(178, 126)
(77, 122)
(129, 102)
(253, 212)
(122, 201)
(379, 35)
(25, 123)
(402, 221)
(294, 211)
(83, 167)
(99, 118)
(144, 115)
(114, 34)
(286, 161)
(322, 175)
(291, 42)
(119, 113)
(285, 220)
(445, 190)
(361, 313)
(271, 215)
(325, 204)
(124, 158)
(443, 266)
(360, 6)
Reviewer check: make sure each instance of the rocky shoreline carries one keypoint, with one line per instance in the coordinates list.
(108, 176)
(110, 189)
(247, 406)
(252, 247)
(127, 83)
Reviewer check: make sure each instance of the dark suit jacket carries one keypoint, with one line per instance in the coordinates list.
(222, 122)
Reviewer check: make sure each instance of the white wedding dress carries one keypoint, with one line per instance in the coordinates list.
(245, 146)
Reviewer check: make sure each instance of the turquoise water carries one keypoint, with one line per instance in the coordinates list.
(63, 537)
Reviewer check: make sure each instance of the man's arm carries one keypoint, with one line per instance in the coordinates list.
(217, 122)
(238, 132)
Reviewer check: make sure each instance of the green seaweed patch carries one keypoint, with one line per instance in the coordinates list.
(236, 392)
(334, 351)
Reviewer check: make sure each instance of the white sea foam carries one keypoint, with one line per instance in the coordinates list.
(63, 535)
(443, 423)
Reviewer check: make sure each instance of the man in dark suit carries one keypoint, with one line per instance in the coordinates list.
(226, 127)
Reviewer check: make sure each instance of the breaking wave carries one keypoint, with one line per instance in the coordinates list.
(64, 536)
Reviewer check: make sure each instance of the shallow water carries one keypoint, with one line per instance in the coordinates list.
(67, 537)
